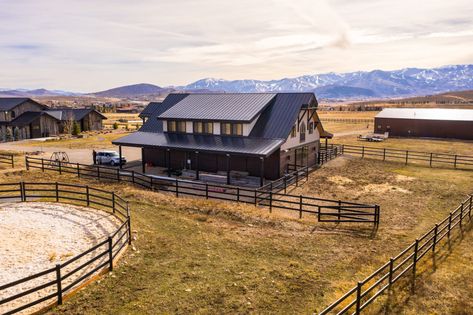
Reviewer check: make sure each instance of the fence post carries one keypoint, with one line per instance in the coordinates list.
(118, 176)
(238, 194)
(42, 165)
(177, 188)
(129, 222)
(285, 184)
(297, 179)
(206, 191)
(78, 170)
(358, 298)
(300, 206)
(461, 215)
(57, 192)
(22, 191)
(435, 237)
(431, 157)
(133, 176)
(87, 195)
(414, 263)
(98, 172)
(384, 154)
(391, 268)
(307, 173)
(12, 161)
(339, 210)
(26, 163)
(469, 207)
(113, 202)
(362, 151)
(455, 163)
(407, 156)
(110, 253)
(60, 168)
(270, 201)
(449, 225)
(58, 284)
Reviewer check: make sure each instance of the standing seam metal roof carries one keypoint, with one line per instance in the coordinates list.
(226, 107)
(8, 103)
(155, 125)
(149, 109)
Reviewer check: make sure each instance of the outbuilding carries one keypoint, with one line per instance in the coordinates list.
(426, 123)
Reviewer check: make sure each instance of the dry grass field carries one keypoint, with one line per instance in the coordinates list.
(124, 121)
(199, 256)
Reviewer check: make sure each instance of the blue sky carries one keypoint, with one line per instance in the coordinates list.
(93, 45)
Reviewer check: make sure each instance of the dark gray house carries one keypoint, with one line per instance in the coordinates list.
(261, 134)
(88, 119)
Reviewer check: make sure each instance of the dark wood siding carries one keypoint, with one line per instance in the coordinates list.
(425, 128)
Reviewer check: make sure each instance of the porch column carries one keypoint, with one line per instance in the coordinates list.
(197, 165)
(326, 143)
(143, 163)
(295, 158)
(228, 169)
(261, 182)
(120, 165)
(168, 162)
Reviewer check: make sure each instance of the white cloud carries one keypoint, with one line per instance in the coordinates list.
(91, 45)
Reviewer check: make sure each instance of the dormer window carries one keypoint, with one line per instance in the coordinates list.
(293, 131)
(302, 134)
(311, 127)
(176, 126)
(203, 127)
(231, 129)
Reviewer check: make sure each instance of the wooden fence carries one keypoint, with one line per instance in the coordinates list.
(329, 153)
(7, 159)
(324, 210)
(405, 264)
(64, 279)
(405, 156)
(292, 178)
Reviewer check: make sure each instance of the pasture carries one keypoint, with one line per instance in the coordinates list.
(193, 255)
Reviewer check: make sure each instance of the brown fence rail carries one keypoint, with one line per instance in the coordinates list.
(328, 153)
(404, 265)
(63, 279)
(322, 209)
(292, 178)
(405, 156)
(7, 159)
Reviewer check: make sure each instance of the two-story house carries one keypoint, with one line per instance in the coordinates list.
(261, 134)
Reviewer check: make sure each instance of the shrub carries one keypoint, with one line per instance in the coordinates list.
(75, 129)
(115, 125)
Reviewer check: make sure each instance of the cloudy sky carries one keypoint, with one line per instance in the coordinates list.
(90, 45)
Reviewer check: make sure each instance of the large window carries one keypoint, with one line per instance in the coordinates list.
(176, 126)
(231, 129)
(302, 132)
(203, 127)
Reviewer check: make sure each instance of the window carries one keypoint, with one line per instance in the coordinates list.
(293, 131)
(203, 127)
(176, 126)
(302, 134)
(231, 129)
(311, 127)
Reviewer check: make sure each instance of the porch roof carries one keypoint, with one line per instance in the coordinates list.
(204, 143)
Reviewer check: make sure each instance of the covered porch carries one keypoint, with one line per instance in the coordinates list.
(233, 161)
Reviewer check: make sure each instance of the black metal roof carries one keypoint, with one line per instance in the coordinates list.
(8, 103)
(242, 107)
(155, 125)
(204, 143)
(149, 109)
(27, 118)
(72, 113)
(277, 120)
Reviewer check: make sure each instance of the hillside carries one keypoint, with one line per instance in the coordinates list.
(134, 90)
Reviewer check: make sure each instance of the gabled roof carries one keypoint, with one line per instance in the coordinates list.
(8, 103)
(277, 120)
(72, 113)
(427, 114)
(223, 107)
(155, 125)
(207, 143)
(149, 109)
(27, 118)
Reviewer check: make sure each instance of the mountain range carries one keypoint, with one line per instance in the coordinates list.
(352, 85)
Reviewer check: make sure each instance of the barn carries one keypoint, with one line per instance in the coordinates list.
(426, 123)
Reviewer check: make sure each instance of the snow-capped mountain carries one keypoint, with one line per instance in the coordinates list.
(360, 84)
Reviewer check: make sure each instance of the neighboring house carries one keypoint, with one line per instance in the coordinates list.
(23, 118)
(149, 110)
(88, 119)
(426, 122)
(261, 134)
(13, 108)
